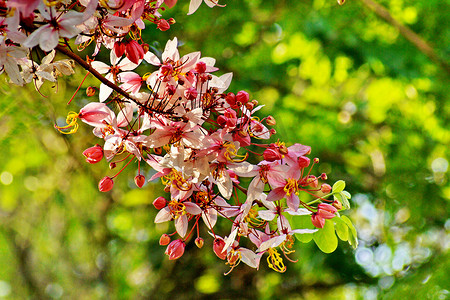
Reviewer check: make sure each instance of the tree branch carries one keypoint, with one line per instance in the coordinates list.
(407, 33)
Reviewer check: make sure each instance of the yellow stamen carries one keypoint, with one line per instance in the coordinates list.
(232, 151)
(175, 179)
(177, 209)
(253, 220)
(275, 261)
(291, 187)
(72, 124)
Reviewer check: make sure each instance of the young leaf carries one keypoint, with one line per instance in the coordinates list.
(326, 238)
(353, 237)
(341, 228)
(338, 186)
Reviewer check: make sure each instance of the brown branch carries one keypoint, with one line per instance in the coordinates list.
(407, 33)
(85, 65)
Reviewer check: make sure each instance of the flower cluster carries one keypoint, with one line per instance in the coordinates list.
(212, 152)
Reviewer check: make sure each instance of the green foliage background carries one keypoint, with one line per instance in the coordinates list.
(372, 106)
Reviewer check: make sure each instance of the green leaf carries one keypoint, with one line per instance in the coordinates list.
(347, 194)
(326, 238)
(338, 186)
(341, 228)
(353, 237)
(344, 201)
(303, 222)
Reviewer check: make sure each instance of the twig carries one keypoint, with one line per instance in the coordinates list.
(407, 33)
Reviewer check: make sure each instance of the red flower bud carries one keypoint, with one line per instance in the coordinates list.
(326, 211)
(163, 25)
(139, 180)
(199, 242)
(119, 49)
(170, 3)
(93, 154)
(164, 239)
(243, 97)
(272, 154)
(313, 181)
(303, 161)
(317, 220)
(337, 204)
(90, 91)
(106, 184)
(175, 249)
(325, 188)
(218, 248)
(134, 51)
(271, 121)
(159, 203)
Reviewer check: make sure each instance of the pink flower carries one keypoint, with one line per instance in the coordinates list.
(175, 249)
(93, 154)
(58, 25)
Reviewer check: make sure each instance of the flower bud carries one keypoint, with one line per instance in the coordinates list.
(159, 203)
(303, 161)
(163, 25)
(272, 154)
(326, 211)
(90, 91)
(255, 102)
(171, 21)
(218, 248)
(93, 154)
(199, 242)
(316, 160)
(119, 49)
(323, 176)
(170, 3)
(249, 105)
(313, 181)
(145, 47)
(164, 239)
(175, 249)
(112, 165)
(272, 131)
(139, 180)
(271, 121)
(134, 51)
(283, 149)
(325, 188)
(337, 204)
(242, 96)
(106, 184)
(317, 220)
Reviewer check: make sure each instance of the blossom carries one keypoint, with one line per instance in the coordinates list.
(59, 25)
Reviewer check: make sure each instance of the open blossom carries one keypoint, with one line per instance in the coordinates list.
(59, 25)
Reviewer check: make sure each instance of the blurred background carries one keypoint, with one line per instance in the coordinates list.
(373, 107)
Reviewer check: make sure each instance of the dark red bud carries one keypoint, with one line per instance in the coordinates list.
(159, 203)
(139, 180)
(106, 184)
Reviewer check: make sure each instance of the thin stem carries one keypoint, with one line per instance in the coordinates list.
(407, 33)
